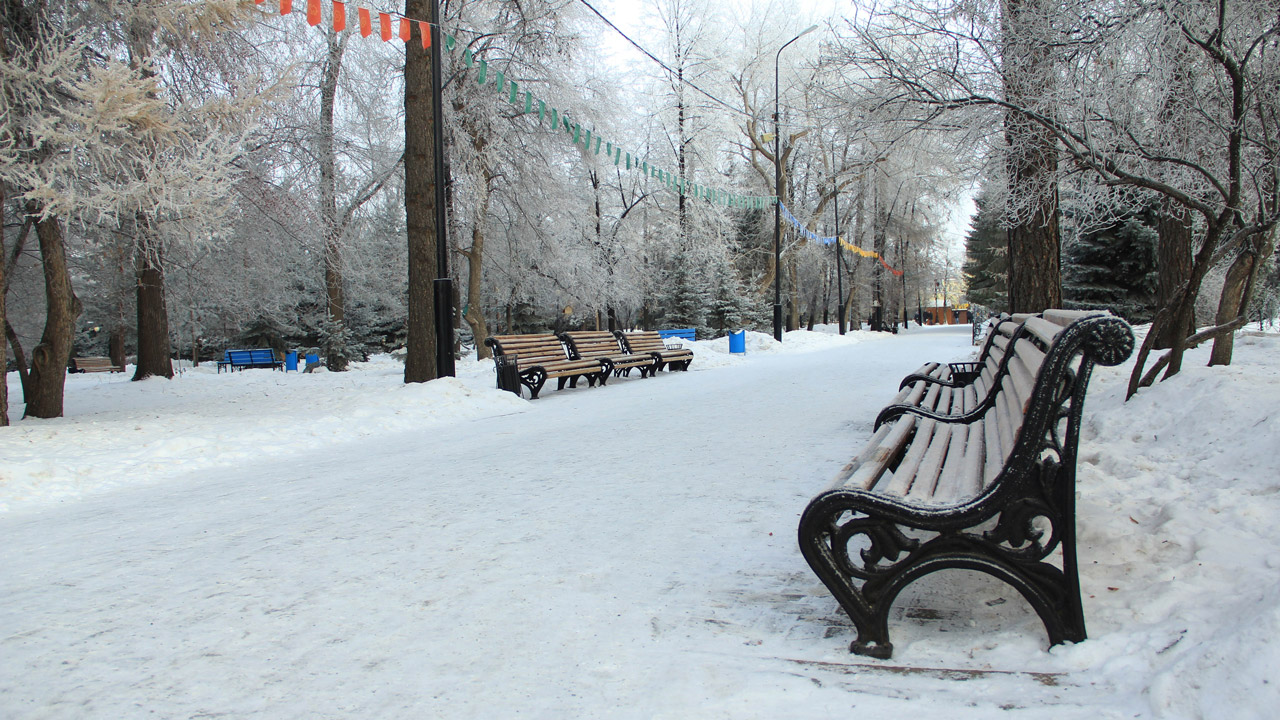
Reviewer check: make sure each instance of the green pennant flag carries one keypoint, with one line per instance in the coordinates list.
(528, 102)
(644, 169)
(484, 72)
(467, 58)
(618, 157)
(450, 42)
(554, 125)
(514, 98)
(542, 111)
(628, 161)
(597, 144)
(500, 81)
(608, 149)
(586, 137)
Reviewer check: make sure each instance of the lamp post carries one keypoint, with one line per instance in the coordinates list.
(835, 206)
(777, 191)
(443, 285)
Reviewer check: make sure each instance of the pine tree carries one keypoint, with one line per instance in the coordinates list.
(986, 263)
(687, 300)
(1113, 267)
(729, 309)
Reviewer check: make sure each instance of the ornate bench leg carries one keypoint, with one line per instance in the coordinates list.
(534, 380)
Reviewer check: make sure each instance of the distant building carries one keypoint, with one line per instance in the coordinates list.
(947, 315)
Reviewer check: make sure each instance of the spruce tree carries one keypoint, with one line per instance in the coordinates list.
(986, 262)
(1113, 266)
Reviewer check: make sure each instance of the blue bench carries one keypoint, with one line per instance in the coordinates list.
(682, 333)
(254, 358)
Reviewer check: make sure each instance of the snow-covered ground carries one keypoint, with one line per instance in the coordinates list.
(273, 545)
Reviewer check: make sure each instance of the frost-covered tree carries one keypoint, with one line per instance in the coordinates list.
(1107, 111)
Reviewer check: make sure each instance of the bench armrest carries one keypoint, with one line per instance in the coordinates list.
(893, 412)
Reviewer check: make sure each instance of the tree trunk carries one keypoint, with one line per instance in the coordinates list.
(475, 279)
(4, 354)
(50, 357)
(153, 316)
(335, 296)
(1035, 267)
(793, 276)
(420, 202)
(1173, 264)
(1234, 300)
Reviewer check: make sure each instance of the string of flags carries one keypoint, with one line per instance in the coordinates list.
(814, 237)
(394, 25)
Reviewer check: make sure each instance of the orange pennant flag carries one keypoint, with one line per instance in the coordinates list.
(286, 7)
(258, 2)
(366, 25)
(406, 29)
(339, 16)
(385, 21)
(424, 29)
(313, 12)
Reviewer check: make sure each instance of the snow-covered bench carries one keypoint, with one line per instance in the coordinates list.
(531, 360)
(604, 345)
(649, 342)
(988, 488)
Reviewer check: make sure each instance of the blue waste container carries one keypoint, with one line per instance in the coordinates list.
(291, 361)
(738, 342)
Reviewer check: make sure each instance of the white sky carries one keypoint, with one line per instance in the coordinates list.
(636, 20)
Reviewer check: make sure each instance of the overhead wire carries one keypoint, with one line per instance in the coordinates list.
(662, 64)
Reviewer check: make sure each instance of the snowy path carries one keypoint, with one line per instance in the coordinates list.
(626, 552)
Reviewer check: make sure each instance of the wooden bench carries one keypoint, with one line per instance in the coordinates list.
(93, 364)
(649, 342)
(991, 488)
(252, 358)
(533, 359)
(604, 345)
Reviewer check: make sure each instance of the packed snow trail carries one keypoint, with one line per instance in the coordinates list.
(621, 552)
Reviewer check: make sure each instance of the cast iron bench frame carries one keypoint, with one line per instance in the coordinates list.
(1004, 505)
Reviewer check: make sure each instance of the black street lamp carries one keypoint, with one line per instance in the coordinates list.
(777, 191)
(835, 206)
(443, 285)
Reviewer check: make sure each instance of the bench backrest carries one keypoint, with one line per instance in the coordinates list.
(253, 356)
(529, 350)
(1045, 381)
(643, 341)
(94, 363)
(689, 334)
(592, 344)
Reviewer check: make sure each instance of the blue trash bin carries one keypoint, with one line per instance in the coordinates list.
(291, 361)
(738, 342)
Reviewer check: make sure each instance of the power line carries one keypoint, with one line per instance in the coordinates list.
(664, 66)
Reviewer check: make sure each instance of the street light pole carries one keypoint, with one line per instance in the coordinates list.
(777, 191)
(835, 206)
(443, 284)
